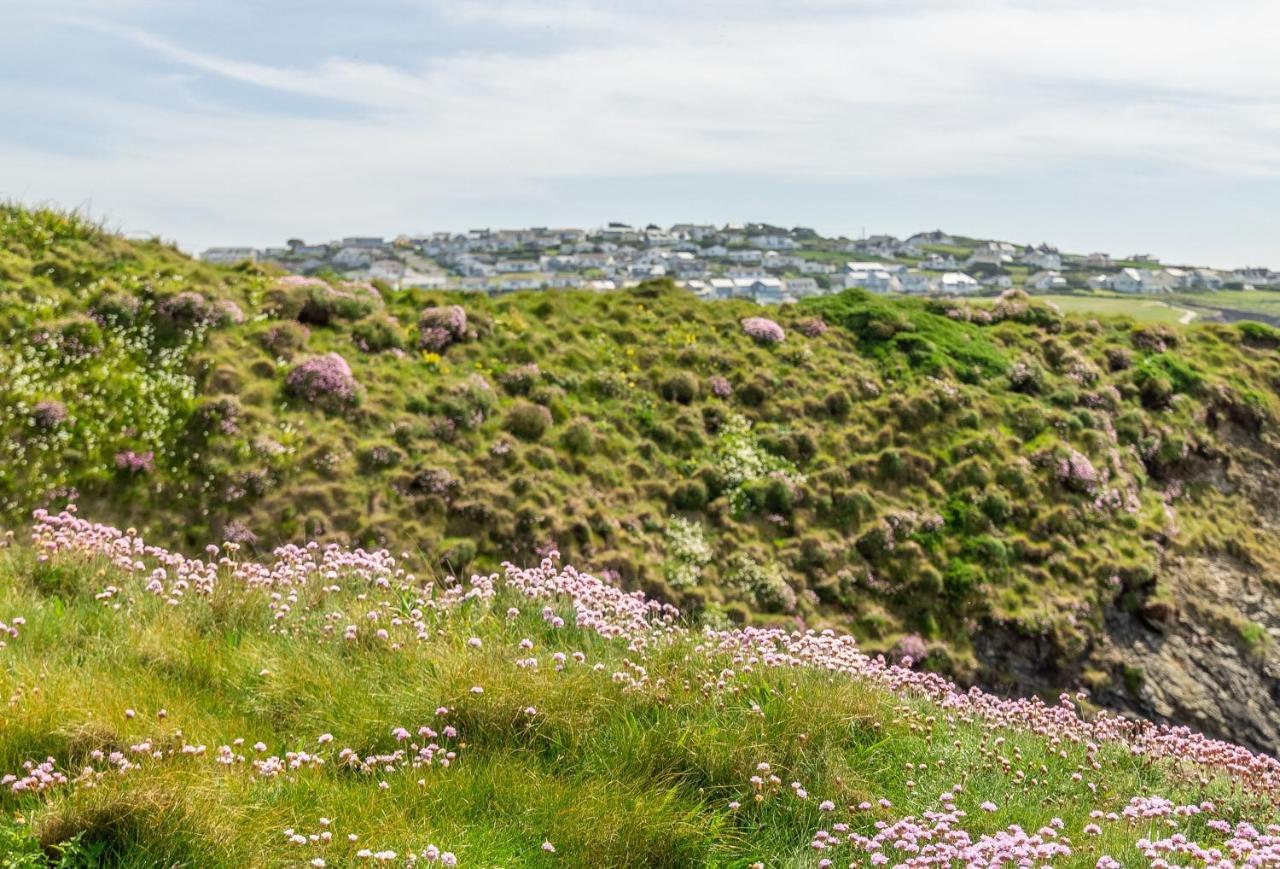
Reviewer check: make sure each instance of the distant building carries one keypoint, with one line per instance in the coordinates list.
(229, 256)
(957, 284)
(939, 263)
(1046, 281)
(801, 287)
(1097, 261)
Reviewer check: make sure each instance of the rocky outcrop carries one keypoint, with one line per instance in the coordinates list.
(1211, 660)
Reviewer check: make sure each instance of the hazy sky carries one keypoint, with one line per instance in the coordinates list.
(1117, 126)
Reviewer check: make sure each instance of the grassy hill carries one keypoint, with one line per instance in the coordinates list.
(1001, 490)
(327, 707)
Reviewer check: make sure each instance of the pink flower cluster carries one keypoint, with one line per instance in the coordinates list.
(323, 378)
(438, 328)
(135, 463)
(763, 330)
(813, 327)
(1077, 471)
(720, 386)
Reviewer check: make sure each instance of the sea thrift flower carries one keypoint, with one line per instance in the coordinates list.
(438, 328)
(135, 463)
(324, 379)
(720, 387)
(813, 327)
(763, 330)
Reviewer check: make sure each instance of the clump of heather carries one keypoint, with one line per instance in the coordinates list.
(323, 379)
(135, 463)
(441, 327)
(49, 414)
(813, 327)
(1077, 472)
(763, 330)
(720, 386)
(185, 310)
(520, 379)
(910, 649)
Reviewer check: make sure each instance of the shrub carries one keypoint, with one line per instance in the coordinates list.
(681, 387)
(285, 338)
(813, 327)
(131, 462)
(763, 330)
(961, 578)
(441, 327)
(185, 310)
(579, 438)
(690, 495)
(1077, 472)
(1259, 334)
(762, 581)
(48, 414)
(325, 380)
(528, 421)
(378, 333)
(687, 553)
(720, 387)
(311, 300)
(520, 379)
(116, 309)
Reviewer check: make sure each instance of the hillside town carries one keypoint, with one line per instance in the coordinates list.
(769, 264)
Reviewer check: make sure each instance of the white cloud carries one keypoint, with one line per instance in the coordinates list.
(817, 88)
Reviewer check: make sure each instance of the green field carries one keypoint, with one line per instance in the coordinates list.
(1145, 309)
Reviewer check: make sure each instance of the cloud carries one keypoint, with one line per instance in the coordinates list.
(810, 89)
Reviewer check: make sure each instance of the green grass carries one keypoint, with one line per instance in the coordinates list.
(611, 775)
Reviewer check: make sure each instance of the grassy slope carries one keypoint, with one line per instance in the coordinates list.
(898, 416)
(611, 771)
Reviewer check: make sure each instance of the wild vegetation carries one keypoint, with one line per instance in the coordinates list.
(326, 706)
(918, 473)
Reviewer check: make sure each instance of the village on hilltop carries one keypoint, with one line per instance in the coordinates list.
(769, 264)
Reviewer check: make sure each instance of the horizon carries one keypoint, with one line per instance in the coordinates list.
(1060, 122)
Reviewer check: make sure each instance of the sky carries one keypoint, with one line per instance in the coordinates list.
(1143, 126)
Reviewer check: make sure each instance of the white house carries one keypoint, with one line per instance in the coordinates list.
(877, 280)
(770, 291)
(801, 287)
(721, 288)
(939, 263)
(994, 253)
(935, 236)
(1046, 281)
(749, 255)
(814, 267)
(229, 256)
(1043, 257)
(917, 282)
(957, 283)
(424, 280)
(352, 258)
(389, 270)
(1131, 280)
